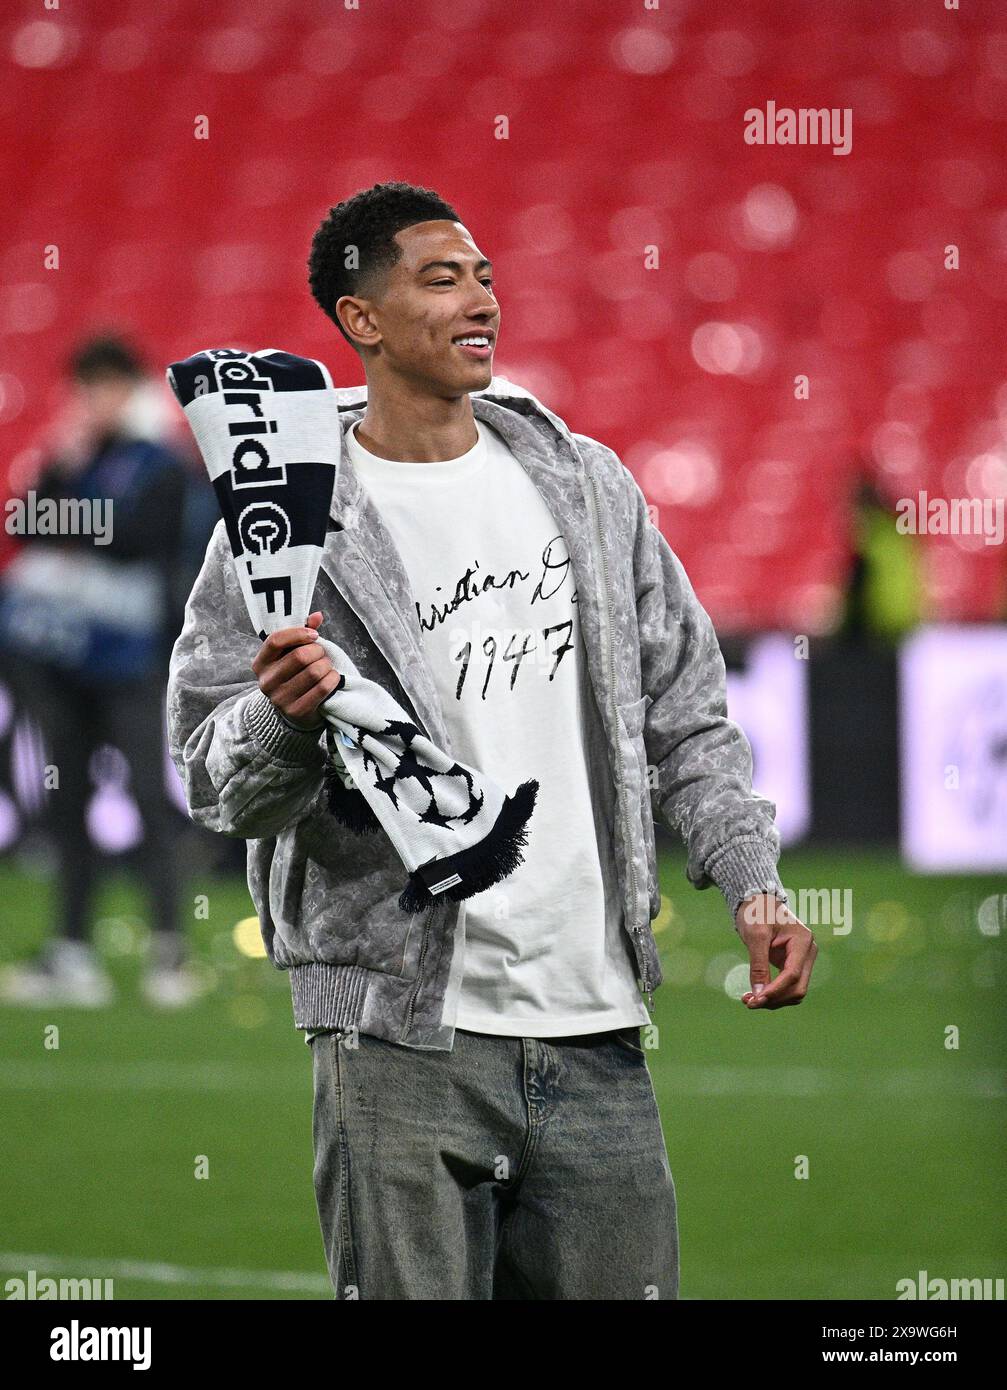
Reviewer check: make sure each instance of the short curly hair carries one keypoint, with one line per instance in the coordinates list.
(103, 356)
(366, 225)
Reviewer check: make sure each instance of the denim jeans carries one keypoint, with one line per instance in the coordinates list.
(511, 1168)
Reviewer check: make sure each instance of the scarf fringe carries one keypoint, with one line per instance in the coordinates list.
(480, 866)
(349, 806)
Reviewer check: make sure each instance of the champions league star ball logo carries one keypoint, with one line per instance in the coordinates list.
(451, 785)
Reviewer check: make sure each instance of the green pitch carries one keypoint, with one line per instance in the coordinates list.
(899, 1134)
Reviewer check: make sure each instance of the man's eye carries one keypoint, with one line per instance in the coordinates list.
(488, 282)
(442, 282)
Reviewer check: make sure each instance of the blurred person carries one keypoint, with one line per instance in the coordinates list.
(85, 635)
(485, 1124)
(884, 598)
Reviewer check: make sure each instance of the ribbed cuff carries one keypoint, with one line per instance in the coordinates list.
(328, 996)
(276, 737)
(743, 867)
(301, 728)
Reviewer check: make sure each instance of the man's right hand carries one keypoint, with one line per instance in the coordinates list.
(295, 673)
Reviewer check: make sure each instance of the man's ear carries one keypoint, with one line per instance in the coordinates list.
(354, 313)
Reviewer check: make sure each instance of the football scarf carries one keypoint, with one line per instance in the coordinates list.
(267, 426)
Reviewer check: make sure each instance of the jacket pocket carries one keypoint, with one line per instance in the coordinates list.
(633, 715)
(339, 893)
(286, 889)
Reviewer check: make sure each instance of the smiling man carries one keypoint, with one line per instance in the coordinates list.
(485, 1125)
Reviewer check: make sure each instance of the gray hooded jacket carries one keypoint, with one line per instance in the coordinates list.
(658, 738)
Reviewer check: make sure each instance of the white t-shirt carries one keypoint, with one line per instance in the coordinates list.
(545, 953)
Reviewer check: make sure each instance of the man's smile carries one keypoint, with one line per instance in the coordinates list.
(477, 346)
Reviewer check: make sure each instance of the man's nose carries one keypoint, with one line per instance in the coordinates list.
(485, 307)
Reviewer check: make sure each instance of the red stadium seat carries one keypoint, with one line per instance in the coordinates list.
(625, 133)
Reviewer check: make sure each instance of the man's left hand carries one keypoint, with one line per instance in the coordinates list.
(773, 935)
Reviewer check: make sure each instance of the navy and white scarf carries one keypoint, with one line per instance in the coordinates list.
(267, 425)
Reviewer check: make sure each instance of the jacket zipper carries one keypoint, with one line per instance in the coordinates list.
(603, 548)
(419, 972)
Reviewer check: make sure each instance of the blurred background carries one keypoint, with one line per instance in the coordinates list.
(783, 343)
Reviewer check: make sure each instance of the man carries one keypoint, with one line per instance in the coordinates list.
(85, 630)
(485, 1125)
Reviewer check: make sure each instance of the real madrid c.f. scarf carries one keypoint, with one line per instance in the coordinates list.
(267, 426)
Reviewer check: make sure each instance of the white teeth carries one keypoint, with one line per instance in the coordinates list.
(473, 342)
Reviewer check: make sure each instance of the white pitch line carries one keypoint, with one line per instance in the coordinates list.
(73, 1074)
(84, 1267)
(58, 1073)
(822, 1081)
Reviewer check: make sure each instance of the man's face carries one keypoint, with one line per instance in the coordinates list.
(438, 293)
(102, 401)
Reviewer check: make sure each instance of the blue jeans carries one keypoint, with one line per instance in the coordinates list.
(512, 1168)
